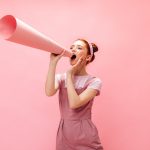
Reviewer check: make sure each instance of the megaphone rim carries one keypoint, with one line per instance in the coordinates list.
(9, 24)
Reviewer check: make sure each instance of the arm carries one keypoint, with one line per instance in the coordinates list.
(51, 85)
(76, 100)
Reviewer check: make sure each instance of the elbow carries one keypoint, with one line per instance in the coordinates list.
(49, 93)
(73, 106)
(74, 103)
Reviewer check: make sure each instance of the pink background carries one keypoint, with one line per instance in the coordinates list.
(29, 119)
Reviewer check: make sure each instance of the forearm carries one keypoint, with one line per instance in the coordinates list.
(73, 97)
(50, 80)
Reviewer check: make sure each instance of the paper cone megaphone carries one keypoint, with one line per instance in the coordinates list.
(15, 30)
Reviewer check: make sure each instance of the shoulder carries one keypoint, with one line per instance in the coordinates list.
(95, 83)
(61, 76)
(95, 80)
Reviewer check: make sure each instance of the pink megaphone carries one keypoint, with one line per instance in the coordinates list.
(15, 30)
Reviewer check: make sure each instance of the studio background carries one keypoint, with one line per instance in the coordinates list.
(121, 29)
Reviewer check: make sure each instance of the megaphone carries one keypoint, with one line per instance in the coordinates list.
(15, 30)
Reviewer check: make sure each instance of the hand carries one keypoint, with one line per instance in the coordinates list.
(55, 57)
(78, 66)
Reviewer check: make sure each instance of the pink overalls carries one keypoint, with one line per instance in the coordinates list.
(76, 130)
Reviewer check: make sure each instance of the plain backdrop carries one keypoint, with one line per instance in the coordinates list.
(121, 29)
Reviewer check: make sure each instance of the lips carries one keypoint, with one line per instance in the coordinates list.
(73, 57)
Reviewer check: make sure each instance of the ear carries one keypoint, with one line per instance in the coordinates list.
(88, 58)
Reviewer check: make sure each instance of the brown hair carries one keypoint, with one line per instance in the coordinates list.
(95, 48)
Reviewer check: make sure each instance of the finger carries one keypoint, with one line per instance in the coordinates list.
(80, 60)
(55, 54)
(84, 59)
(83, 62)
(78, 63)
(62, 53)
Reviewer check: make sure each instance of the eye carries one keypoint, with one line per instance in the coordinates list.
(79, 48)
(71, 47)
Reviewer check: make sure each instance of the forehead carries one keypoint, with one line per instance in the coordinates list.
(79, 42)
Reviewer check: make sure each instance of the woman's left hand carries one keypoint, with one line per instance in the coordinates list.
(78, 66)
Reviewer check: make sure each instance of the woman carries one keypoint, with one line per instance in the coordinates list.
(77, 90)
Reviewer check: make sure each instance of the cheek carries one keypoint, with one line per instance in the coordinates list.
(82, 54)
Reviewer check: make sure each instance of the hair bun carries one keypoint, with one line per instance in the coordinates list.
(95, 48)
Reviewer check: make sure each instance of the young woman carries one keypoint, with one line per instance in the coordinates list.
(77, 90)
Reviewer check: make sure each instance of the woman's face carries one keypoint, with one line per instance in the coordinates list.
(79, 49)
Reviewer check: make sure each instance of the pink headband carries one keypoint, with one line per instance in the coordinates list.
(91, 49)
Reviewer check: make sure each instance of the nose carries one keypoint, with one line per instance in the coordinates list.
(73, 50)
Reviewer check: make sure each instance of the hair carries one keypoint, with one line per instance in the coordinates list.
(95, 48)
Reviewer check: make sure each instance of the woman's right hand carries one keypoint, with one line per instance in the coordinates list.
(55, 57)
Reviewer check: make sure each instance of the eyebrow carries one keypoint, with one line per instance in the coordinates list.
(77, 45)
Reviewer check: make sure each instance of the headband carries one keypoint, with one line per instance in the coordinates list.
(91, 49)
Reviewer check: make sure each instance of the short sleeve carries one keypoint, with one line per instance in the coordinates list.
(96, 84)
(58, 78)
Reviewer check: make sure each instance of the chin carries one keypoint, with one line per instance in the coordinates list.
(72, 63)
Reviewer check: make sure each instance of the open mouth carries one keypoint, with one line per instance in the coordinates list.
(73, 57)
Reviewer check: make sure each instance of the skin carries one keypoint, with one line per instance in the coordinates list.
(78, 67)
(79, 64)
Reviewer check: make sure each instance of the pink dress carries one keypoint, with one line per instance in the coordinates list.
(76, 130)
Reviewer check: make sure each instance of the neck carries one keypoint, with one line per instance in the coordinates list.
(82, 72)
